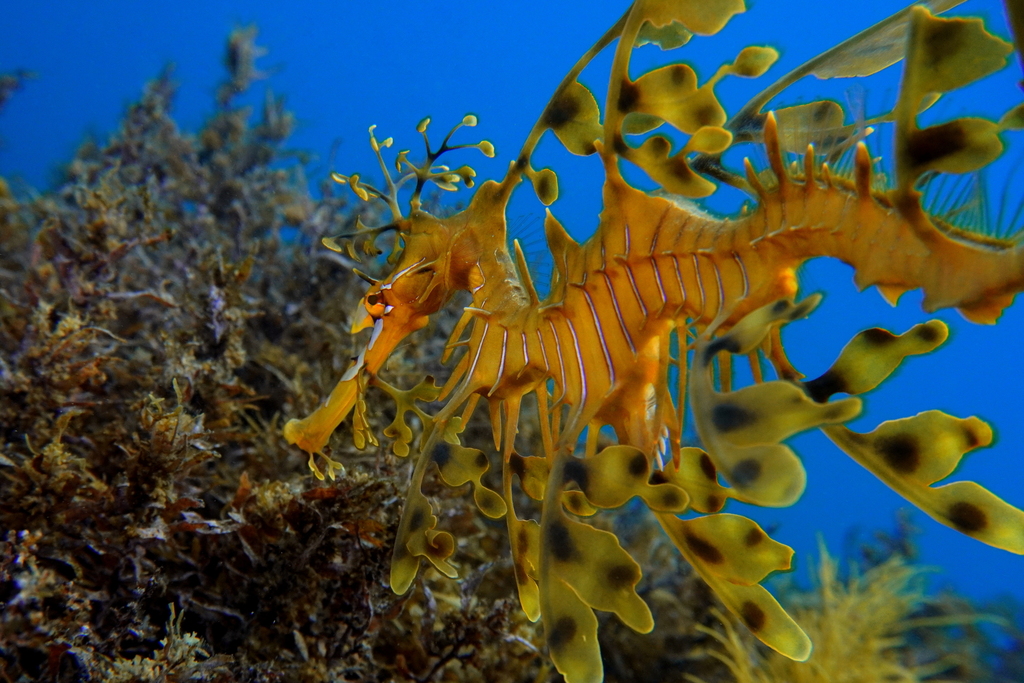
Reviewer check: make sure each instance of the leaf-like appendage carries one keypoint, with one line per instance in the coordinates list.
(671, 171)
(946, 54)
(588, 570)
(635, 123)
(703, 17)
(597, 568)
(732, 547)
(913, 453)
(570, 628)
(667, 37)
(753, 61)
(1013, 119)
(545, 184)
(524, 537)
(710, 140)
(671, 93)
(618, 473)
(574, 116)
(418, 538)
(459, 465)
(958, 146)
(771, 412)
(871, 356)
(943, 55)
(405, 401)
(814, 123)
(725, 552)
(872, 50)
(533, 474)
(362, 433)
(743, 430)
(698, 476)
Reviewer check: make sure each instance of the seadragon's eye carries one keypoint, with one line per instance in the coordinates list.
(375, 304)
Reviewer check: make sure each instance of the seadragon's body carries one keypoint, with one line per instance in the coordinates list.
(639, 316)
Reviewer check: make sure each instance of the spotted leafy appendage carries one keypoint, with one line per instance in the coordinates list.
(405, 402)
(733, 555)
(943, 55)
(743, 430)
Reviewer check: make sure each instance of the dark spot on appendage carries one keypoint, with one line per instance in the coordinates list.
(971, 439)
(721, 344)
(442, 455)
(658, 477)
(779, 307)
(524, 539)
(967, 517)
(562, 632)
(518, 466)
(746, 472)
(638, 465)
(629, 95)
(708, 467)
(560, 542)
(821, 111)
(545, 186)
(678, 167)
(481, 461)
(728, 417)
(928, 145)
(621, 575)
(561, 111)
(671, 499)
(823, 387)
(576, 471)
(577, 504)
(940, 40)
(753, 616)
(928, 333)
(522, 162)
(704, 550)
(754, 537)
(620, 146)
(714, 503)
(900, 451)
(416, 521)
(708, 115)
(876, 336)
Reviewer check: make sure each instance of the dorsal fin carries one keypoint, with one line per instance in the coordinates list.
(524, 274)
(564, 249)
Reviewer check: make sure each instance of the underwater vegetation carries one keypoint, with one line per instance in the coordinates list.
(169, 305)
(154, 325)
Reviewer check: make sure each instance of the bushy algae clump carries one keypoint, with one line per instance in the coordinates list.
(154, 326)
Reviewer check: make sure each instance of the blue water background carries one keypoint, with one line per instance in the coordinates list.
(345, 65)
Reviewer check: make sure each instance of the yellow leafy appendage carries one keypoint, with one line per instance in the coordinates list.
(646, 316)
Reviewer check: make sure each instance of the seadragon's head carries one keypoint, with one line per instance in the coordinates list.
(432, 258)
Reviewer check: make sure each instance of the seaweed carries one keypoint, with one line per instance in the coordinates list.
(159, 312)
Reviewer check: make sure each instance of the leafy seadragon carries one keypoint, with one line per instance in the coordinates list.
(642, 320)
